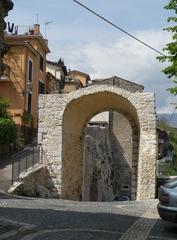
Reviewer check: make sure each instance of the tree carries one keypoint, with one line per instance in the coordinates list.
(171, 48)
(166, 168)
(4, 105)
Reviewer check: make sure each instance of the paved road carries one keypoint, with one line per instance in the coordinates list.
(42, 219)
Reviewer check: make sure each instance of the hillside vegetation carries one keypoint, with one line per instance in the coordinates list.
(170, 169)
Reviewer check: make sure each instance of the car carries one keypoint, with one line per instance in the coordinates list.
(121, 198)
(167, 206)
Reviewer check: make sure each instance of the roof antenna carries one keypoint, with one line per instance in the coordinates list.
(37, 18)
(46, 24)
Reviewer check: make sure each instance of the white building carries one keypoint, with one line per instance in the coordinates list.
(57, 69)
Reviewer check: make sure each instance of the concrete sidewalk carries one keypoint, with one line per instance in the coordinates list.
(5, 172)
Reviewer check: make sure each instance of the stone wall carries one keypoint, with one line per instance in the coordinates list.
(35, 183)
(121, 83)
(98, 165)
(108, 160)
(122, 148)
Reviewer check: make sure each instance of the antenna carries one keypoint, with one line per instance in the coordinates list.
(37, 18)
(46, 24)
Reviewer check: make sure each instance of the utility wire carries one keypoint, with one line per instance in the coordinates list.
(114, 25)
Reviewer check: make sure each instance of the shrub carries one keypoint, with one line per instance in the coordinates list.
(7, 131)
(170, 170)
(172, 134)
(4, 105)
(27, 118)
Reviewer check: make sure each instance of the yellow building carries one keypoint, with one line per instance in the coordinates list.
(84, 78)
(25, 76)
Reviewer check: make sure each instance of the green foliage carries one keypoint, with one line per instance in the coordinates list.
(172, 134)
(171, 48)
(7, 126)
(4, 105)
(27, 118)
(7, 131)
(171, 170)
(172, 5)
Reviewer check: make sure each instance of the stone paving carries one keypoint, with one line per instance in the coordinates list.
(42, 219)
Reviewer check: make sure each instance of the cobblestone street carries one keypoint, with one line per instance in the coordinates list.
(42, 219)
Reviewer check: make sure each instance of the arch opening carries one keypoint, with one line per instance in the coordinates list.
(109, 169)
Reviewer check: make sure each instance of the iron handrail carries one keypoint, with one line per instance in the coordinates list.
(25, 159)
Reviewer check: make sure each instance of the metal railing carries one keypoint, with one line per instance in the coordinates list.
(25, 160)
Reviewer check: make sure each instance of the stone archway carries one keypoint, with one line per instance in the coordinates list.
(62, 119)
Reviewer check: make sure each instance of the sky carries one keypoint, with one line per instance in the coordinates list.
(88, 44)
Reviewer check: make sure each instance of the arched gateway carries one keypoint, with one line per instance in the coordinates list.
(62, 120)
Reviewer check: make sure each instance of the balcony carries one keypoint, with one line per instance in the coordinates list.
(6, 74)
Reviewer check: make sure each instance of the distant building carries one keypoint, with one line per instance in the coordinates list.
(71, 85)
(119, 82)
(84, 78)
(165, 149)
(56, 73)
(61, 81)
(57, 69)
(25, 76)
(52, 84)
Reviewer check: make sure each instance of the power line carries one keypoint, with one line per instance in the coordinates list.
(114, 25)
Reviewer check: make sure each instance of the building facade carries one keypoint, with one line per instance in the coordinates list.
(25, 75)
(84, 78)
(59, 80)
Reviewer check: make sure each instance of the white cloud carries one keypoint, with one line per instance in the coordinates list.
(125, 58)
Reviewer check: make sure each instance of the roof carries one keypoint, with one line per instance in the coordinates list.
(50, 76)
(79, 72)
(58, 64)
(119, 82)
(24, 37)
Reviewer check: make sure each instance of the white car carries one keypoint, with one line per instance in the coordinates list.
(167, 206)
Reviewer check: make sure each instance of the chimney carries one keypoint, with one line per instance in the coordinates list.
(36, 29)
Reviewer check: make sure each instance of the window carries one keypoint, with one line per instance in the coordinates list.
(29, 102)
(41, 63)
(30, 70)
(41, 88)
